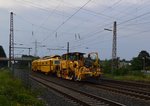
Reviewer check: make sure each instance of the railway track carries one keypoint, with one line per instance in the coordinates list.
(81, 97)
(134, 90)
(143, 95)
(138, 85)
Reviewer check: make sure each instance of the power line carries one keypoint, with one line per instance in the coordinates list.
(34, 5)
(123, 23)
(104, 41)
(86, 10)
(49, 16)
(146, 23)
(89, 36)
(132, 12)
(93, 12)
(134, 18)
(101, 13)
(114, 4)
(33, 24)
(69, 18)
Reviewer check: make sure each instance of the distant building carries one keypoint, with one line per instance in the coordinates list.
(124, 63)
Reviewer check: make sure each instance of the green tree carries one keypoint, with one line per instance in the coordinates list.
(143, 54)
(141, 61)
(136, 64)
(145, 58)
(106, 66)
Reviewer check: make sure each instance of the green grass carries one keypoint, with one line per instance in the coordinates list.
(130, 77)
(13, 93)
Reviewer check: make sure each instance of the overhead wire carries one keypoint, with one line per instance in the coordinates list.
(114, 4)
(103, 41)
(139, 23)
(96, 32)
(68, 18)
(141, 15)
(126, 21)
(48, 16)
(37, 6)
(132, 12)
(89, 10)
(40, 8)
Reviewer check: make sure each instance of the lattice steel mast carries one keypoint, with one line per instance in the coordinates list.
(11, 40)
(114, 46)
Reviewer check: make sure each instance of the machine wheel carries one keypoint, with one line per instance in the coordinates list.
(58, 74)
(74, 78)
(78, 78)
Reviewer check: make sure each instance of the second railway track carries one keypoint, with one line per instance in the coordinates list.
(144, 95)
(133, 84)
(132, 89)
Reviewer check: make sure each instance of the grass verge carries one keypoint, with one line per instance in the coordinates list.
(126, 74)
(13, 93)
(142, 78)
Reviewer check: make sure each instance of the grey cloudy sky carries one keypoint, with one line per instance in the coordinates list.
(86, 18)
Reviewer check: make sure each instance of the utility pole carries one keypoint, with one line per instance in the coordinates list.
(29, 51)
(35, 53)
(67, 47)
(114, 63)
(114, 47)
(11, 40)
(36, 46)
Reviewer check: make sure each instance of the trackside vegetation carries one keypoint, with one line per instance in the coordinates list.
(13, 93)
(134, 70)
(135, 76)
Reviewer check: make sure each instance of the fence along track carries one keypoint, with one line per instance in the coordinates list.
(80, 97)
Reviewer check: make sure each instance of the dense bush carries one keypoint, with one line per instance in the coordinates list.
(106, 66)
(121, 71)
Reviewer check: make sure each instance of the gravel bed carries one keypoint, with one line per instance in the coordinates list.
(127, 100)
(51, 97)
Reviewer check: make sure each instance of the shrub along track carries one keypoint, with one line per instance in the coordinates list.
(81, 97)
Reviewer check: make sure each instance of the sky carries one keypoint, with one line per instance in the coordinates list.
(53, 23)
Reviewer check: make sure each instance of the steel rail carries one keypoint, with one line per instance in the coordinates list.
(79, 96)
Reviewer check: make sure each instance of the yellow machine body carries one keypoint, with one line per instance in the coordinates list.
(72, 66)
(47, 65)
(75, 66)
